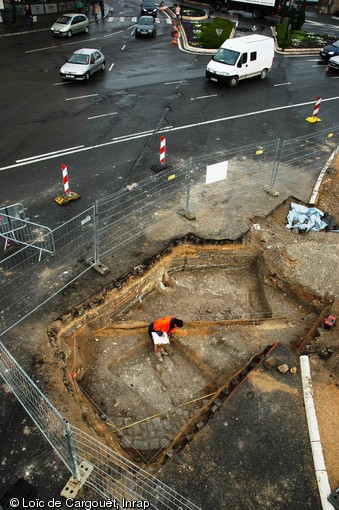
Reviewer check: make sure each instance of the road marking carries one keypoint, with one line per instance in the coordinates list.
(103, 115)
(134, 19)
(62, 83)
(81, 97)
(114, 33)
(49, 153)
(80, 42)
(110, 69)
(41, 49)
(122, 18)
(174, 82)
(169, 129)
(203, 97)
(281, 84)
(124, 46)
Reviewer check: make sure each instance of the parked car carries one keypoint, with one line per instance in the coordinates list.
(148, 8)
(334, 63)
(69, 24)
(82, 64)
(145, 27)
(331, 50)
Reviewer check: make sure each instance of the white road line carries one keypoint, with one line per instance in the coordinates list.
(110, 69)
(203, 97)
(41, 49)
(174, 82)
(122, 18)
(134, 19)
(80, 42)
(114, 33)
(103, 115)
(81, 97)
(62, 83)
(124, 46)
(169, 129)
(281, 84)
(49, 153)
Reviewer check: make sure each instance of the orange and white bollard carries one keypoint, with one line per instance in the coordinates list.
(162, 149)
(65, 178)
(316, 108)
(69, 195)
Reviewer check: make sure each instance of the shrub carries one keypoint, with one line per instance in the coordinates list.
(205, 35)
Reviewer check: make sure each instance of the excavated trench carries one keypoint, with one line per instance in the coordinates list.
(232, 315)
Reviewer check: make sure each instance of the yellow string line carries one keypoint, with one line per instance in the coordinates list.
(159, 414)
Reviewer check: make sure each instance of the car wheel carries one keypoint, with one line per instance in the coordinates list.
(69, 33)
(103, 66)
(136, 35)
(86, 30)
(256, 13)
(87, 76)
(154, 33)
(263, 74)
(233, 81)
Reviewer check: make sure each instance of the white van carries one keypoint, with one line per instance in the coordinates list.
(240, 58)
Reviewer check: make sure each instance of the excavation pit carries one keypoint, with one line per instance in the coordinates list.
(232, 315)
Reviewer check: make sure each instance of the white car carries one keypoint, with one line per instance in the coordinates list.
(69, 24)
(334, 63)
(82, 64)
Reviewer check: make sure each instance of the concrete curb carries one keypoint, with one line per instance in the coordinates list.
(192, 49)
(312, 423)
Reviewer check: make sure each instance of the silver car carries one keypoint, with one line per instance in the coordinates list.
(82, 63)
(69, 24)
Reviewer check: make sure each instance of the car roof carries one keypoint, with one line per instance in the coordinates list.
(146, 17)
(85, 51)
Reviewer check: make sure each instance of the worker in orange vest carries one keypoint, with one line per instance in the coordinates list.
(163, 327)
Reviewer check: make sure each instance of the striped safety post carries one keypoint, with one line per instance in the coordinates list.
(162, 149)
(316, 108)
(65, 178)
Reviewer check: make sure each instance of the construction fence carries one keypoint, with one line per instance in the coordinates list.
(41, 262)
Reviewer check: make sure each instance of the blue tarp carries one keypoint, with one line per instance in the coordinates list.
(305, 218)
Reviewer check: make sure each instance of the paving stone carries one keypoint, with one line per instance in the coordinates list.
(141, 445)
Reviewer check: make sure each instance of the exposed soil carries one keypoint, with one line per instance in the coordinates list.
(235, 299)
(98, 366)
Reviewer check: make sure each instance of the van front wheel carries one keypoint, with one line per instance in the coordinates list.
(263, 74)
(233, 81)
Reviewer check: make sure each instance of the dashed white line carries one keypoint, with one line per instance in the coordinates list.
(114, 33)
(173, 82)
(81, 97)
(203, 97)
(103, 115)
(84, 41)
(124, 46)
(282, 84)
(41, 49)
(110, 69)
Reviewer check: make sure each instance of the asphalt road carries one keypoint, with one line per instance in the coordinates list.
(107, 130)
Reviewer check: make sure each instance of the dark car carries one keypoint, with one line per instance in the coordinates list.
(148, 8)
(331, 50)
(145, 27)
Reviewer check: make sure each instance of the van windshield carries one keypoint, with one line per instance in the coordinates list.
(225, 56)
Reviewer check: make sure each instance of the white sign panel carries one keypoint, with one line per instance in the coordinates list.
(217, 172)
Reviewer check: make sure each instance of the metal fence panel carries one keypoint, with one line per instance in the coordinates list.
(28, 280)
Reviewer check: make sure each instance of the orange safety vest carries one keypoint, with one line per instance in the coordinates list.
(164, 325)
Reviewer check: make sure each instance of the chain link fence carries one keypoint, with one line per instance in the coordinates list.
(146, 209)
